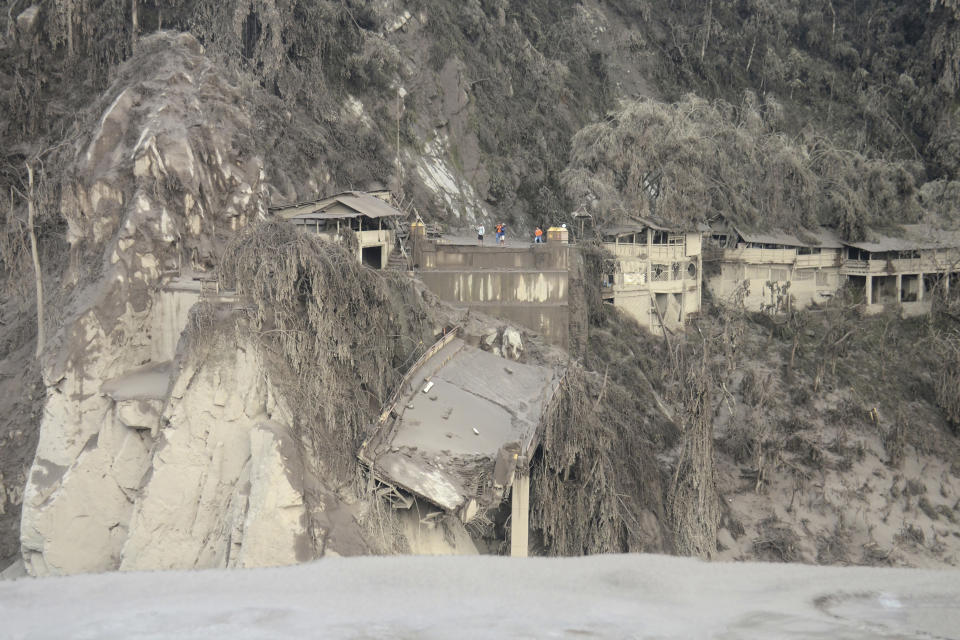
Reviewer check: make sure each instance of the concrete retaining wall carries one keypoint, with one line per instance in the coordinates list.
(525, 285)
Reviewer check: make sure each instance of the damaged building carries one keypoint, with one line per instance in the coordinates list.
(459, 434)
(655, 276)
(774, 269)
(527, 284)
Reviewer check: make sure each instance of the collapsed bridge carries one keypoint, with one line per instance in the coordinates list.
(460, 431)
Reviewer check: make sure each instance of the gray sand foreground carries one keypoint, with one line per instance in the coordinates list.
(635, 596)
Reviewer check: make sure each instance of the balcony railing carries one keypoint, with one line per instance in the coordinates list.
(902, 265)
(753, 256)
(653, 252)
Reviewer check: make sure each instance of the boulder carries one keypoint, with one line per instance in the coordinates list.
(489, 341)
(512, 344)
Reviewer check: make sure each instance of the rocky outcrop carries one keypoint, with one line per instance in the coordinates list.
(224, 485)
(148, 460)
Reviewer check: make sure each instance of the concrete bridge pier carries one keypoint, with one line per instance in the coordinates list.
(520, 513)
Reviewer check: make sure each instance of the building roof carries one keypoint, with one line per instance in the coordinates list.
(648, 222)
(819, 237)
(620, 229)
(349, 204)
(915, 236)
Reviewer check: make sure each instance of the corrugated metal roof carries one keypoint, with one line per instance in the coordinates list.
(915, 236)
(363, 204)
(819, 237)
(620, 229)
(639, 224)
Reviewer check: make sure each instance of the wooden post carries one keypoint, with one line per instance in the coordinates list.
(869, 290)
(920, 287)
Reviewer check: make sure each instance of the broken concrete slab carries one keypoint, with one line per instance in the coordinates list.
(445, 445)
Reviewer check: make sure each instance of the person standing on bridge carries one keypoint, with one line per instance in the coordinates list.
(501, 233)
(480, 231)
(538, 236)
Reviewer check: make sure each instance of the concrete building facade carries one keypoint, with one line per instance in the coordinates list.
(772, 270)
(656, 274)
(776, 270)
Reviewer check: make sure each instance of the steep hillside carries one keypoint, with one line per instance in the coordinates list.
(148, 135)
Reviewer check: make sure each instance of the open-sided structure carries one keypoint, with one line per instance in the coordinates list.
(904, 269)
(369, 216)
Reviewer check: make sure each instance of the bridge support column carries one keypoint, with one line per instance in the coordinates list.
(520, 513)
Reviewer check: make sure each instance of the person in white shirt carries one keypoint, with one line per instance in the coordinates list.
(480, 231)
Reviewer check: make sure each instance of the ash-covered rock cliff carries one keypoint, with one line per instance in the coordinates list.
(169, 168)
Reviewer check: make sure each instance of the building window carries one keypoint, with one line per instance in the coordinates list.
(823, 279)
(856, 254)
(659, 272)
(779, 275)
(803, 274)
(733, 271)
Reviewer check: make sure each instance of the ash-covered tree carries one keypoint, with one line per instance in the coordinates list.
(693, 160)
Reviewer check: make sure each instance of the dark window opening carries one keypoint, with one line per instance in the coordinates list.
(857, 254)
(372, 256)
(909, 288)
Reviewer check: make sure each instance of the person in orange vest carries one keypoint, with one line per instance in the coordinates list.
(538, 236)
(501, 233)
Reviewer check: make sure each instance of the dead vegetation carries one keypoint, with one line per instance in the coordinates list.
(777, 542)
(335, 337)
(597, 488)
(826, 404)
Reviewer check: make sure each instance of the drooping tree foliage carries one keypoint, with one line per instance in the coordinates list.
(693, 160)
(878, 75)
(335, 337)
